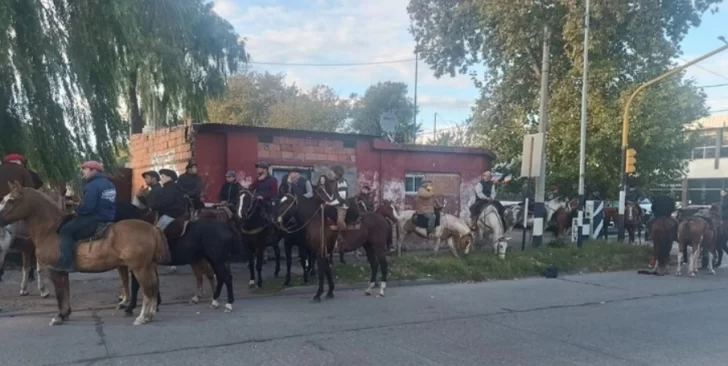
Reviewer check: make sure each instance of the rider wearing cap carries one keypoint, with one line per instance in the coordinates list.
(425, 205)
(170, 203)
(230, 190)
(341, 194)
(191, 184)
(265, 187)
(98, 206)
(294, 183)
(365, 197)
(485, 193)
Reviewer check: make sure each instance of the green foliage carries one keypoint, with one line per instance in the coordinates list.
(459, 135)
(68, 69)
(630, 43)
(384, 97)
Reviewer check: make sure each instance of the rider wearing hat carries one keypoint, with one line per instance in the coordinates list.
(98, 206)
(365, 196)
(485, 193)
(170, 203)
(152, 178)
(425, 205)
(265, 187)
(230, 190)
(294, 183)
(191, 184)
(342, 193)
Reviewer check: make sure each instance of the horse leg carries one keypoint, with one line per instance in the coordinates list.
(224, 277)
(680, 253)
(384, 265)
(259, 266)
(41, 281)
(330, 278)
(134, 295)
(149, 283)
(710, 262)
(288, 248)
(277, 252)
(451, 245)
(341, 256)
(305, 262)
(373, 265)
(251, 265)
(62, 289)
(24, 274)
(437, 244)
(695, 255)
(124, 277)
(321, 261)
(199, 281)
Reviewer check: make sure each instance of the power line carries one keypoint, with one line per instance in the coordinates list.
(708, 70)
(332, 64)
(712, 86)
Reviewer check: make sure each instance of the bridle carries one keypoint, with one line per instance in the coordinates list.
(253, 204)
(294, 199)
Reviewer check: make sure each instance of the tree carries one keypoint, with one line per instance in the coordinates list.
(67, 69)
(630, 42)
(459, 135)
(318, 110)
(384, 97)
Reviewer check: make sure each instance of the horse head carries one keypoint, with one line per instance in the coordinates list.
(246, 204)
(388, 210)
(513, 215)
(286, 209)
(23, 203)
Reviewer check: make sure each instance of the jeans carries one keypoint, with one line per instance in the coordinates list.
(79, 228)
(431, 220)
(164, 221)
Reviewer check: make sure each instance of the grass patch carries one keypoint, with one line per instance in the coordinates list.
(596, 256)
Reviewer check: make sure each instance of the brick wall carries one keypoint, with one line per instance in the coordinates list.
(306, 150)
(168, 148)
(447, 191)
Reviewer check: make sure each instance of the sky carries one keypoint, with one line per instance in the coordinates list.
(349, 31)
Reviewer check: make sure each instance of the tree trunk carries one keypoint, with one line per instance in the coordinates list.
(135, 115)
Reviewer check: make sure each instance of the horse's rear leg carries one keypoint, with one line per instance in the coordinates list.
(41, 280)
(123, 287)
(710, 262)
(223, 277)
(62, 290)
(277, 253)
(374, 267)
(259, 266)
(288, 247)
(321, 262)
(252, 255)
(330, 278)
(384, 265)
(149, 283)
(202, 268)
(694, 261)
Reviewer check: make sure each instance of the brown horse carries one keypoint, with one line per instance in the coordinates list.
(132, 243)
(563, 217)
(663, 232)
(696, 232)
(318, 220)
(633, 221)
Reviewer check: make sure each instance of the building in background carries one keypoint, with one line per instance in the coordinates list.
(708, 169)
(456, 131)
(394, 171)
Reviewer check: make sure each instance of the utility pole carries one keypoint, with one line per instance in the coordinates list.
(414, 114)
(539, 209)
(434, 128)
(582, 145)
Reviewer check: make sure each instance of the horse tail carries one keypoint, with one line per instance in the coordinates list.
(683, 231)
(389, 234)
(161, 249)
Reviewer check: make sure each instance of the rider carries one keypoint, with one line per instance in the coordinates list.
(365, 197)
(265, 187)
(230, 190)
(484, 194)
(98, 206)
(724, 204)
(425, 205)
(342, 191)
(152, 178)
(635, 195)
(294, 183)
(191, 184)
(12, 171)
(170, 203)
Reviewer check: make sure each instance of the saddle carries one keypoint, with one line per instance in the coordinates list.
(711, 218)
(177, 228)
(420, 221)
(352, 219)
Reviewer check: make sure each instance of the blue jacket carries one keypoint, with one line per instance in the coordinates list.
(99, 199)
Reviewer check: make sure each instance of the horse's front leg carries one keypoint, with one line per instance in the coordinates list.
(451, 244)
(41, 280)
(124, 287)
(62, 289)
(24, 273)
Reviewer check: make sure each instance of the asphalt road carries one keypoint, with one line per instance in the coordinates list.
(602, 319)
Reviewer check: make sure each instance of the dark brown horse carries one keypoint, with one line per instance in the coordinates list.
(633, 221)
(258, 233)
(563, 217)
(374, 234)
(663, 232)
(696, 232)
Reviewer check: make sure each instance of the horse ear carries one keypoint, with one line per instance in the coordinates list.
(14, 186)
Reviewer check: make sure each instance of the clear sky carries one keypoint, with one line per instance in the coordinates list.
(349, 31)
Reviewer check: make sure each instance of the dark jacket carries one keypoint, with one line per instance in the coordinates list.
(170, 201)
(266, 188)
(37, 182)
(230, 192)
(154, 192)
(724, 209)
(298, 187)
(13, 172)
(191, 184)
(487, 187)
(99, 199)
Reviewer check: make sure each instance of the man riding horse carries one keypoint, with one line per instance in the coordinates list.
(170, 203)
(426, 204)
(191, 184)
(97, 207)
(265, 187)
(364, 199)
(230, 191)
(485, 193)
(11, 170)
(339, 197)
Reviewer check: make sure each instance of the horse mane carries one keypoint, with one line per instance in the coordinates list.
(43, 196)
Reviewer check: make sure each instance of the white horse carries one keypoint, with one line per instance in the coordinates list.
(451, 228)
(490, 226)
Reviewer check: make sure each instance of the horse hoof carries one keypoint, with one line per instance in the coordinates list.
(276, 275)
(45, 295)
(692, 274)
(251, 284)
(128, 313)
(24, 293)
(368, 293)
(214, 304)
(380, 295)
(330, 296)
(712, 271)
(228, 308)
(56, 321)
(316, 299)
(139, 321)
(287, 283)
(121, 306)
(195, 299)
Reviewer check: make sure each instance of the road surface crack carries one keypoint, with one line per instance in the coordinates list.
(99, 327)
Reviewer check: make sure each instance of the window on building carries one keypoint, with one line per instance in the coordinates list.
(724, 144)
(412, 182)
(705, 148)
(705, 191)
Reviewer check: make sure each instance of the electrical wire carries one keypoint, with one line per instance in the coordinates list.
(343, 64)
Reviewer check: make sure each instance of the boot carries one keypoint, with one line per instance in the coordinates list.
(474, 223)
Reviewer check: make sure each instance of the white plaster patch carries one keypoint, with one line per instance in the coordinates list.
(393, 190)
(163, 161)
(467, 196)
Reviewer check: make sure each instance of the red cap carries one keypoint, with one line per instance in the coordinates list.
(93, 164)
(13, 157)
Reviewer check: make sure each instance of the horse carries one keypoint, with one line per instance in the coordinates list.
(138, 209)
(318, 221)
(260, 233)
(447, 227)
(695, 231)
(361, 206)
(563, 215)
(633, 221)
(132, 243)
(662, 232)
(307, 258)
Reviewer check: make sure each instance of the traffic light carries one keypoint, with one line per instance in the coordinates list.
(631, 161)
